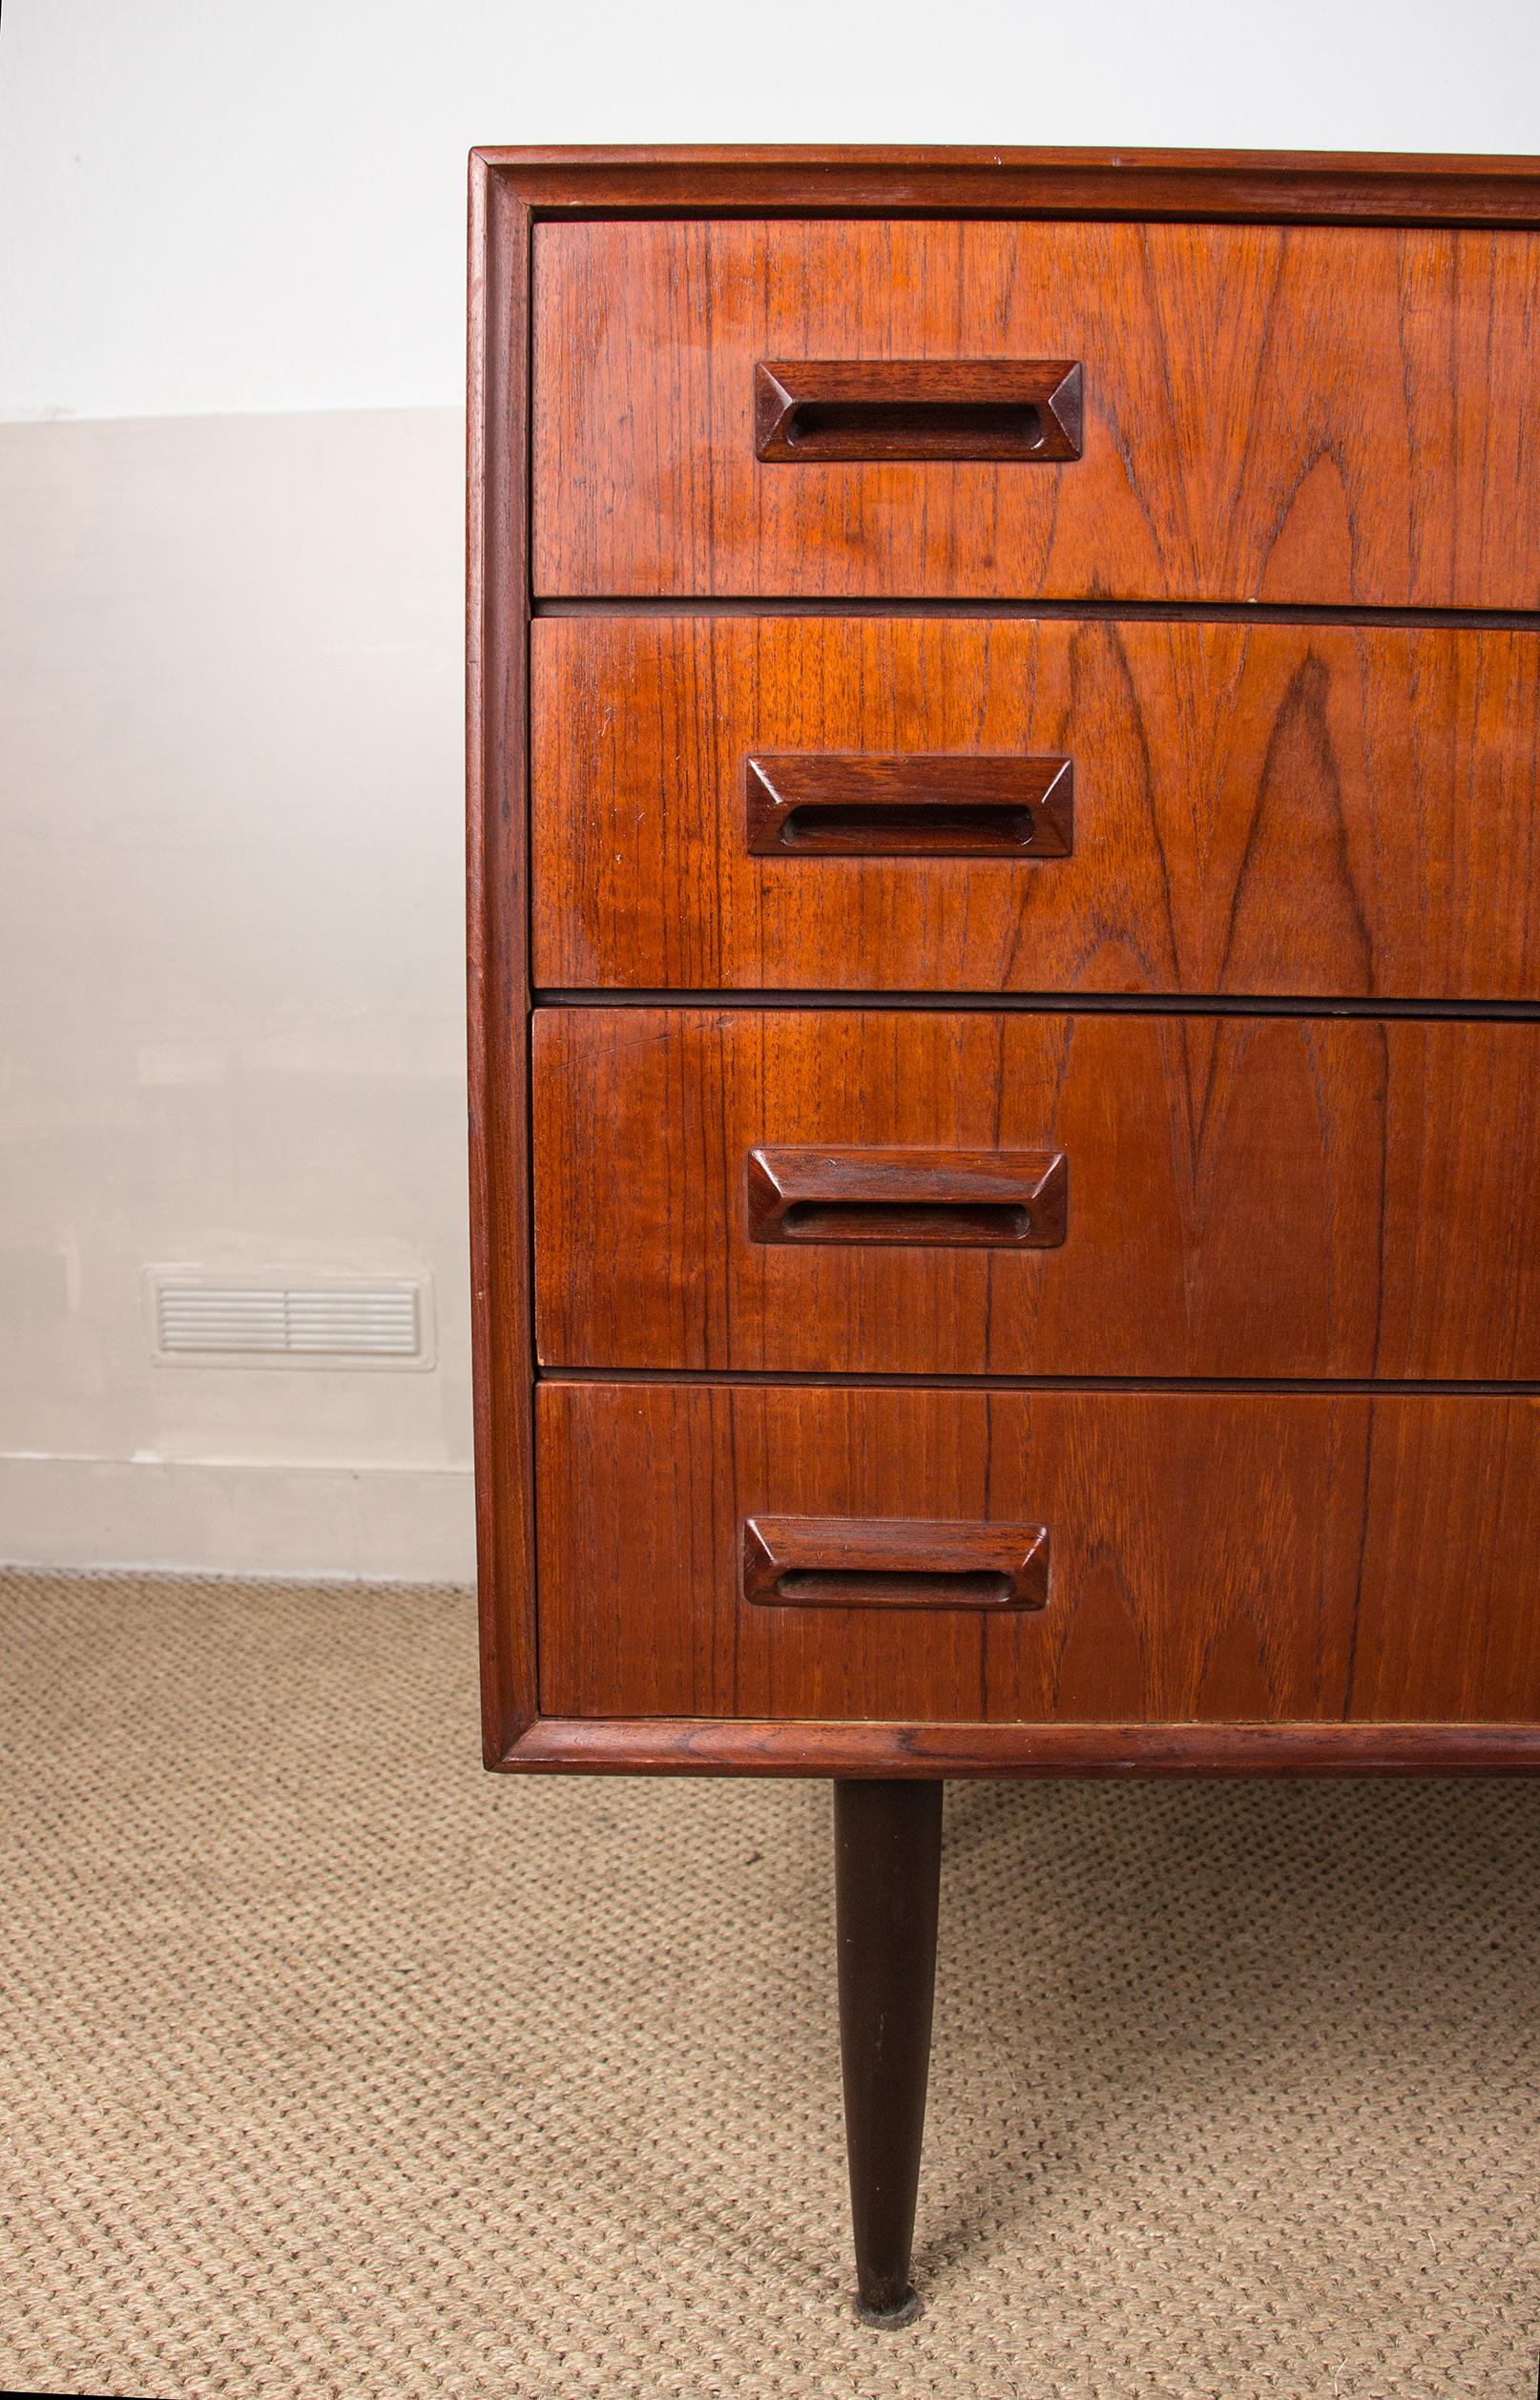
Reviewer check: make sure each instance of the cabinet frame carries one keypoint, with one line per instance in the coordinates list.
(511, 191)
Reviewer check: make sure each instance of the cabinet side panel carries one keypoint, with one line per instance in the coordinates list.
(497, 974)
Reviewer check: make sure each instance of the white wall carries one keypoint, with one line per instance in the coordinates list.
(230, 847)
(207, 206)
(231, 979)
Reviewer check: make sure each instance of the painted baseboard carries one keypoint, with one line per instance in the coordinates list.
(400, 1524)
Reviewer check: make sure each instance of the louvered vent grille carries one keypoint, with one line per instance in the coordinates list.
(351, 1324)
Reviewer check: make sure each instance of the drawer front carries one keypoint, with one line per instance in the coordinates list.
(1207, 1558)
(1256, 809)
(1303, 414)
(969, 1192)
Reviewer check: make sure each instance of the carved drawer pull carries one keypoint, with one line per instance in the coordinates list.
(939, 1199)
(876, 1562)
(914, 806)
(817, 409)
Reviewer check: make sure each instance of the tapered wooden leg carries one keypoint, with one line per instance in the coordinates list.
(886, 1880)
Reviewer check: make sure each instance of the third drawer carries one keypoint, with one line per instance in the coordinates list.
(961, 1192)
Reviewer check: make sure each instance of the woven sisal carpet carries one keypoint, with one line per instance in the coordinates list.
(334, 2067)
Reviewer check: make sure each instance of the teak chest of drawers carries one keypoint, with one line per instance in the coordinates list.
(1005, 987)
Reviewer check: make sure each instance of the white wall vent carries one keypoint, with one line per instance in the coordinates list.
(283, 1320)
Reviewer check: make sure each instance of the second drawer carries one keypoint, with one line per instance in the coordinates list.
(1034, 1193)
(977, 805)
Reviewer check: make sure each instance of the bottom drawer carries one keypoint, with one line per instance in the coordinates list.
(1037, 1558)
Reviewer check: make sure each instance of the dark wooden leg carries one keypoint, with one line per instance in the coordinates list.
(886, 1878)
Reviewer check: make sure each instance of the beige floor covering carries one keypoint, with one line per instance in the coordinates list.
(333, 2066)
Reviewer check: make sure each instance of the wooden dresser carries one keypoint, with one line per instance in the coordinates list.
(1005, 987)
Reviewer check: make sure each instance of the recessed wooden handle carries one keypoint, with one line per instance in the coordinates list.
(879, 1562)
(858, 806)
(934, 1198)
(815, 409)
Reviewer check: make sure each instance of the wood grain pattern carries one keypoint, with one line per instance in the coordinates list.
(1455, 1508)
(1255, 1197)
(1279, 414)
(1259, 810)
(1214, 1558)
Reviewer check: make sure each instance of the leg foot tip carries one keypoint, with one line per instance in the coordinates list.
(890, 2316)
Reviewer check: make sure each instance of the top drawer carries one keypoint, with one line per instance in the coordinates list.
(1309, 415)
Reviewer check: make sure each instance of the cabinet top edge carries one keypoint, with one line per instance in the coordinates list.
(1283, 186)
(860, 155)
